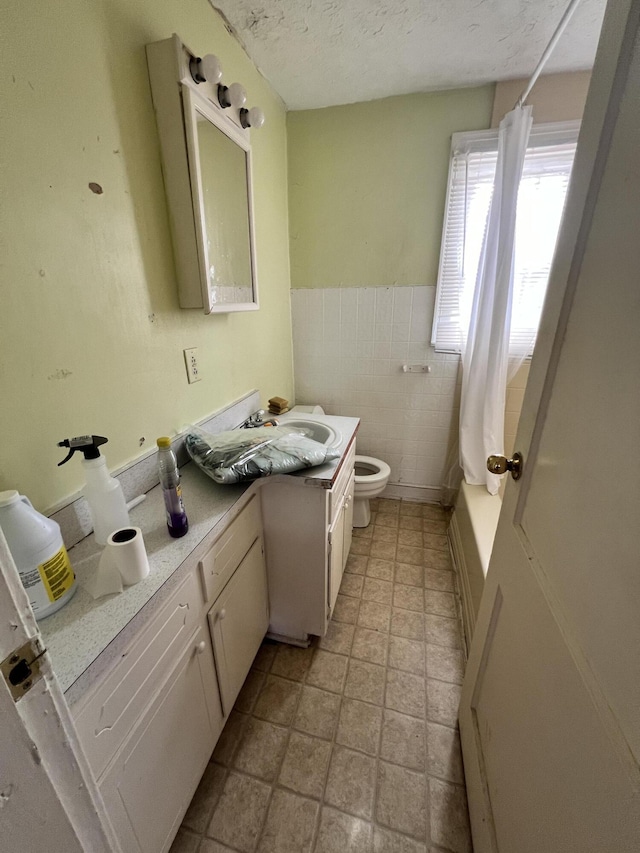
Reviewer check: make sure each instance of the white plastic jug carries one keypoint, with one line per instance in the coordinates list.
(39, 554)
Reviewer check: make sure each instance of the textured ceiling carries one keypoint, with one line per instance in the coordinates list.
(317, 53)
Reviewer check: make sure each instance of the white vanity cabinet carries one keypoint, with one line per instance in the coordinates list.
(149, 726)
(307, 536)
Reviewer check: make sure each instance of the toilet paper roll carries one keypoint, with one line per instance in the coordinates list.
(126, 552)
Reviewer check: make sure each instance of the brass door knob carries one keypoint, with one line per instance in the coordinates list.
(500, 465)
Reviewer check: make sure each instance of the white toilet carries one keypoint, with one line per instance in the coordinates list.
(372, 476)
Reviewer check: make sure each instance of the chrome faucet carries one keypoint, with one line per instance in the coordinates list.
(257, 420)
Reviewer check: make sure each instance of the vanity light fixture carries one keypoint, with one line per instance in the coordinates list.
(251, 118)
(206, 69)
(232, 96)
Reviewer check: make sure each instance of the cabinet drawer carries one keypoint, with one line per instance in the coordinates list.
(238, 621)
(112, 709)
(217, 566)
(342, 480)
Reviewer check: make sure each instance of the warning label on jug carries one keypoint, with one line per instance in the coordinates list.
(57, 575)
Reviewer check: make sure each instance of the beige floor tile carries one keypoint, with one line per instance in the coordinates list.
(378, 590)
(386, 841)
(261, 749)
(292, 662)
(449, 816)
(411, 523)
(277, 701)
(436, 579)
(359, 726)
(409, 575)
(250, 691)
(408, 597)
(409, 554)
(328, 671)
(405, 693)
(384, 534)
(364, 532)
(370, 645)
(290, 824)
(440, 603)
(383, 550)
(265, 656)
(435, 525)
(346, 609)
(407, 623)
(365, 681)
(437, 541)
(317, 712)
(402, 800)
(382, 569)
(205, 798)
(445, 756)
(375, 616)
(305, 765)
(443, 702)
(351, 782)
(238, 817)
(434, 511)
(403, 740)
(445, 664)
(411, 508)
(407, 655)
(388, 505)
(351, 585)
(437, 559)
(210, 846)
(185, 842)
(360, 546)
(229, 740)
(342, 833)
(410, 537)
(387, 519)
(442, 631)
(338, 638)
(356, 563)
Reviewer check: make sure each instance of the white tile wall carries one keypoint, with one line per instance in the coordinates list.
(349, 348)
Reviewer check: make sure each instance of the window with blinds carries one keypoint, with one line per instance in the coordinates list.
(541, 197)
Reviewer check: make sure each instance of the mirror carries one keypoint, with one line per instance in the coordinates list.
(219, 157)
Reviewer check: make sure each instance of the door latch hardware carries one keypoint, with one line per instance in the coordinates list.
(500, 465)
(21, 669)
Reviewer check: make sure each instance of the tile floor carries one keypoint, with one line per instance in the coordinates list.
(351, 745)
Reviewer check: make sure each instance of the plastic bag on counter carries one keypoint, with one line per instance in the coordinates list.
(246, 454)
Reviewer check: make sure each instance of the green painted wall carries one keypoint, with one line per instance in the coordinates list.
(91, 335)
(367, 186)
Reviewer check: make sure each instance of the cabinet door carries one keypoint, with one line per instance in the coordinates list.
(152, 779)
(239, 620)
(348, 519)
(336, 554)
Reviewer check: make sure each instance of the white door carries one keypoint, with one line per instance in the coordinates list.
(48, 801)
(550, 713)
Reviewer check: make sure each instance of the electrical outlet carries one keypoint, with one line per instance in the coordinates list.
(191, 363)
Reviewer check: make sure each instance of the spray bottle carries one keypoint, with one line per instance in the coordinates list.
(103, 493)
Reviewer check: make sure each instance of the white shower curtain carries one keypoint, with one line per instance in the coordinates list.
(485, 354)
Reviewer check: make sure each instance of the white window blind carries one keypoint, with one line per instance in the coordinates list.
(541, 197)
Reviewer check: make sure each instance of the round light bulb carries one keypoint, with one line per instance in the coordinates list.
(236, 95)
(211, 68)
(256, 117)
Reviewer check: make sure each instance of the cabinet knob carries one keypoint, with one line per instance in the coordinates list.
(201, 647)
(222, 614)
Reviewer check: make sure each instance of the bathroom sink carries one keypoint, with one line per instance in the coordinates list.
(316, 430)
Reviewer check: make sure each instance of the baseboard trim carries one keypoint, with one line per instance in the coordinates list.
(423, 494)
(460, 568)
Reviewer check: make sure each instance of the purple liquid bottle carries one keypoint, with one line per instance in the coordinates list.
(177, 521)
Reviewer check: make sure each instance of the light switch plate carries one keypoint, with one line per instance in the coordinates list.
(191, 363)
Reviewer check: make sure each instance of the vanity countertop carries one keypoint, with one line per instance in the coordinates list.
(87, 635)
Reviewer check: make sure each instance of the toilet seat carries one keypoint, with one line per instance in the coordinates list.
(377, 471)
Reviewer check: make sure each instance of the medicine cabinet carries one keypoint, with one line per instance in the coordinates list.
(206, 162)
